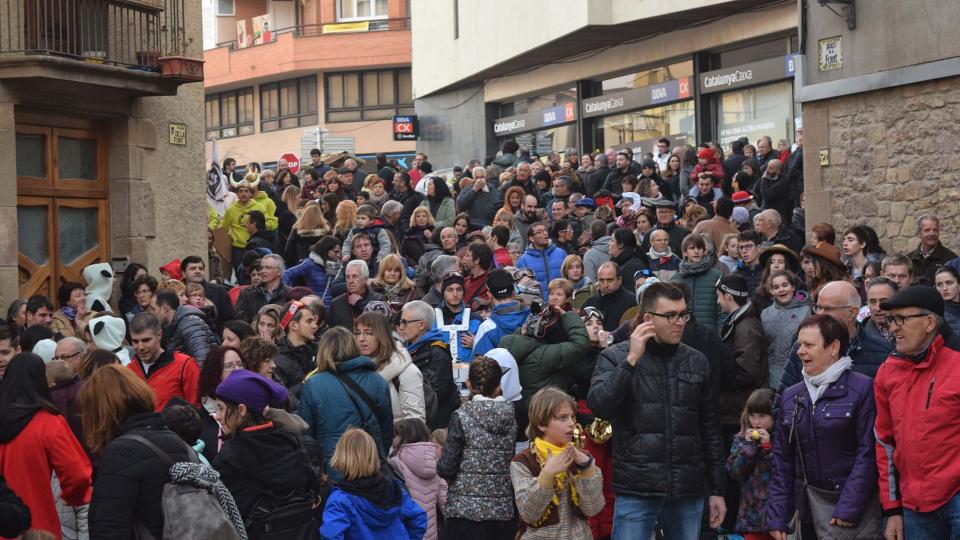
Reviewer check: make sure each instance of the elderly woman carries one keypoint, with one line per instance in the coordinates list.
(392, 282)
(73, 306)
(335, 396)
(823, 447)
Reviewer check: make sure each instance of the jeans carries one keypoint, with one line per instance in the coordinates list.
(634, 518)
(940, 524)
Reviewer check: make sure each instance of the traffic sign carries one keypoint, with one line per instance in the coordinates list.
(293, 162)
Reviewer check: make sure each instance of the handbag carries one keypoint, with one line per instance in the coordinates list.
(823, 502)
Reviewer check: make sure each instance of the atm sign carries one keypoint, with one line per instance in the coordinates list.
(405, 128)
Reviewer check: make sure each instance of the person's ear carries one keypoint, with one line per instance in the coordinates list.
(242, 410)
(647, 317)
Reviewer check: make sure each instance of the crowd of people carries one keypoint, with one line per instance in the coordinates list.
(567, 346)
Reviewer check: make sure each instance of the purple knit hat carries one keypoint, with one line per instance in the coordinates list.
(252, 389)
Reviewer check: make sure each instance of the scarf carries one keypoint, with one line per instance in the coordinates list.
(560, 481)
(818, 384)
(584, 282)
(688, 268)
(71, 313)
(654, 254)
(434, 205)
(392, 292)
(205, 477)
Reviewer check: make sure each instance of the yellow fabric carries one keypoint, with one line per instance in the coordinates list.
(270, 211)
(560, 482)
(213, 220)
(233, 222)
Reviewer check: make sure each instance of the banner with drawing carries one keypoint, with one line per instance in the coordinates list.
(262, 29)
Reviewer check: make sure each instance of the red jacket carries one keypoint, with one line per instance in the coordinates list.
(714, 167)
(46, 444)
(173, 375)
(918, 435)
(474, 286)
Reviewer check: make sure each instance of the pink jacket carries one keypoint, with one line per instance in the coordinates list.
(417, 463)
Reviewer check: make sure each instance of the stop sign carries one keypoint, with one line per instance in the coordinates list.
(293, 162)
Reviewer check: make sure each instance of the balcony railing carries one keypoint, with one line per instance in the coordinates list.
(133, 33)
(377, 25)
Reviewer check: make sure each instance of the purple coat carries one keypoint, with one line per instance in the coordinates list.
(838, 450)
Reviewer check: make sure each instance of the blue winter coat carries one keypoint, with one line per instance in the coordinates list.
(838, 446)
(503, 320)
(951, 314)
(545, 263)
(464, 354)
(311, 273)
(351, 517)
(329, 410)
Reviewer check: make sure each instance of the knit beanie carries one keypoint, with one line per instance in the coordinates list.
(251, 389)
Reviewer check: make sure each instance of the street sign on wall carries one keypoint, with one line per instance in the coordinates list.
(293, 162)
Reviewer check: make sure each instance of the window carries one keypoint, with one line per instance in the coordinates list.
(225, 8)
(348, 10)
(229, 114)
(288, 104)
(368, 95)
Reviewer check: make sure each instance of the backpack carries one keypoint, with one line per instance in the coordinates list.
(194, 502)
(289, 517)
(430, 404)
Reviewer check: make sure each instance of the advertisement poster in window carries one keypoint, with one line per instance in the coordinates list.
(262, 30)
(242, 34)
(776, 128)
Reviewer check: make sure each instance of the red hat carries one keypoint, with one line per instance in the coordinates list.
(742, 197)
(172, 269)
(705, 153)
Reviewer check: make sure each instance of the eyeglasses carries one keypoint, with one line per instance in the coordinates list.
(819, 308)
(674, 317)
(232, 366)
(65, 357)
(405, 322)
(745, 247)
(900, 320)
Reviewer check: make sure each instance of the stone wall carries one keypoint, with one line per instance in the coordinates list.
(894, 154)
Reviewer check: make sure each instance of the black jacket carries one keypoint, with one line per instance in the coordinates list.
(293, 364)
(267, 462)
(663, 411)
(263, 239)
(14, 514)
(794, 168)
(342, 313)
(731, 166)
(253, 298)
(613, 306)
(410, 200)
(221, 299)
(433, 360)
(594, 181)
(129, 482)
(776, 195)
(189, 332)
(629, 262)
(677, 234)
(298, 245)
(614, 181)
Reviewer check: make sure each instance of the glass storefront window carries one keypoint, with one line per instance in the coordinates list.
(648, 77)
(676, 118)
(543, 101)
(543, 142)
(754, 112)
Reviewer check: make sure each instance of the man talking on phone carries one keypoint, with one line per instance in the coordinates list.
(668, 453)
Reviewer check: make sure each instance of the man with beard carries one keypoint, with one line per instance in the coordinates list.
(527, 215)
(405, 195)
(614, 181)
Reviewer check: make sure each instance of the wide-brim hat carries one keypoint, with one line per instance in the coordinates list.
(793, 260)
(827, 252)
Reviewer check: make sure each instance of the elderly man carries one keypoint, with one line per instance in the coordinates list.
(523, 179)
(479, 201)
(930, 254)
(71, 350)
(350, 304)
(424, 342)
(841, 300)
(666, 214)
(357, 176)
(390, 214)
(765, 153)
(270, 290)
(774, 230)
(876, 323)
(612, 299)
(918, 437)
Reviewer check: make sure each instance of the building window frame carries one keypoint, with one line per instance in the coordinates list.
(224, 13)
(244, 124)
(302, 108)
(354, 8)
(366, 111)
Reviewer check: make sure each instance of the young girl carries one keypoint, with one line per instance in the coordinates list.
(557, 485)
(781, 320)
(366, 504)
(476, 459)
(750, 462)
(415, 459)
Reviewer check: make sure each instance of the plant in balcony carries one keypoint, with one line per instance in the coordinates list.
(176, 67)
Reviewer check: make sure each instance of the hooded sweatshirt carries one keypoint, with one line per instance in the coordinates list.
(598, 254)
(417, 463)
(372, 508)
(503, 320)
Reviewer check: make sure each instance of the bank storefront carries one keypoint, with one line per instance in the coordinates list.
(750, 94)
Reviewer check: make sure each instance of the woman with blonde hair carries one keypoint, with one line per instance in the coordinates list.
(344, 391)
(366, 503)
(346, 213)
(128, 488)
(513, 199)
(693, 215)
(392, 282)
(267, 322)
(506, 219)
(422, 226)
(309, 228)
(572, 270)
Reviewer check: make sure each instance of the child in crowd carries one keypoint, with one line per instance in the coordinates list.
(476, 459)
(367, 222)
(439, 438)
(750, 462)
(366, 504)
(184, 420)
(415, 460)
(730, 251)
(557, 485)
(559, 292)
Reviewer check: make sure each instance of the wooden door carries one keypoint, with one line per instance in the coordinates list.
(35, 236)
